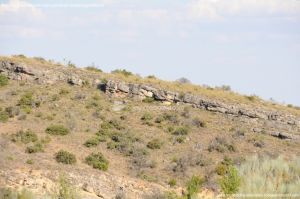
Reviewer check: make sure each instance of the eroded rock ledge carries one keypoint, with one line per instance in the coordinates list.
(79, 77)
(122, 89)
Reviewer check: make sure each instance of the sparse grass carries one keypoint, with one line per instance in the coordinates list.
(97, 161)
(3, 80)
(57, 130)
(65, 157)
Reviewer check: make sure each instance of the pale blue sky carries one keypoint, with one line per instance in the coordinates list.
(253, 46)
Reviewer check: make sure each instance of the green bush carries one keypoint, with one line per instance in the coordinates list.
(172, 182)
(3, 80)
(154, 144)
(65, 157)
(181, 131)
(122, 71)
(9, 193)
(94, 141)
(57, 130)
(94, 69)
(24, 136)
(4, 116)
(193, 186)
(64, 91)
(146, 117)
(35, 148)
(230, 182)
(26, 100)
(97, 161)
(148, 100)
(65, 190)
(112, 124)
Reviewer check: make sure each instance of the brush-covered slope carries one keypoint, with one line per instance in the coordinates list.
(118, 135)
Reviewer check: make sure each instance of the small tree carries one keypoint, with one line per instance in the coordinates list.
(193, 186)
(230, 182)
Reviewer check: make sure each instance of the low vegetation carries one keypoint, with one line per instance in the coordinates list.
(3, 80)
(57, 130)
(261, 175)
(35, 148)
(97, 161)
(65, 157)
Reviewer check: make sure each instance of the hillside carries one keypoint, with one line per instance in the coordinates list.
(148, 137)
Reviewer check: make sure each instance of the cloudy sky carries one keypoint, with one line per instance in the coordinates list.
(251, 45)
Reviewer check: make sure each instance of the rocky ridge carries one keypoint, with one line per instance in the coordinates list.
(115, 88)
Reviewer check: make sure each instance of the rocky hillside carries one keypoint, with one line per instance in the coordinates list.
(118, 135)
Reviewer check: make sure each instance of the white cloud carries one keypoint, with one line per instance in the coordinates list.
(217, 9)
(20, 8)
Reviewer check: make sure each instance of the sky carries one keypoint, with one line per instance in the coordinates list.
(251, 45)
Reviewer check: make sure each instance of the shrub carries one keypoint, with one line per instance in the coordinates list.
(112, 124)
(171, 117)
(25, 137)
(57, 130)
(263, 175)
(65, 157)
(94, 141)
(151, 77)
(12, 111)
(64, 91)
(29, 161)
(183, 80)
(97, 161)
(193, 186)
(222, 144)
(3, 80)
(94, 69)
(146, 117)
(65, 190)
(3, 116)
(172, 182)
(198, 123)
(35, 148)
(230, 182)
(159, 119)
(9, 193)
(183, 130)
(154, 144)
(148, 100)
(122, 71)
(26, 100)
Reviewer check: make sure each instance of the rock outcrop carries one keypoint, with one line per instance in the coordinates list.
(79, 77)
(122, 89)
